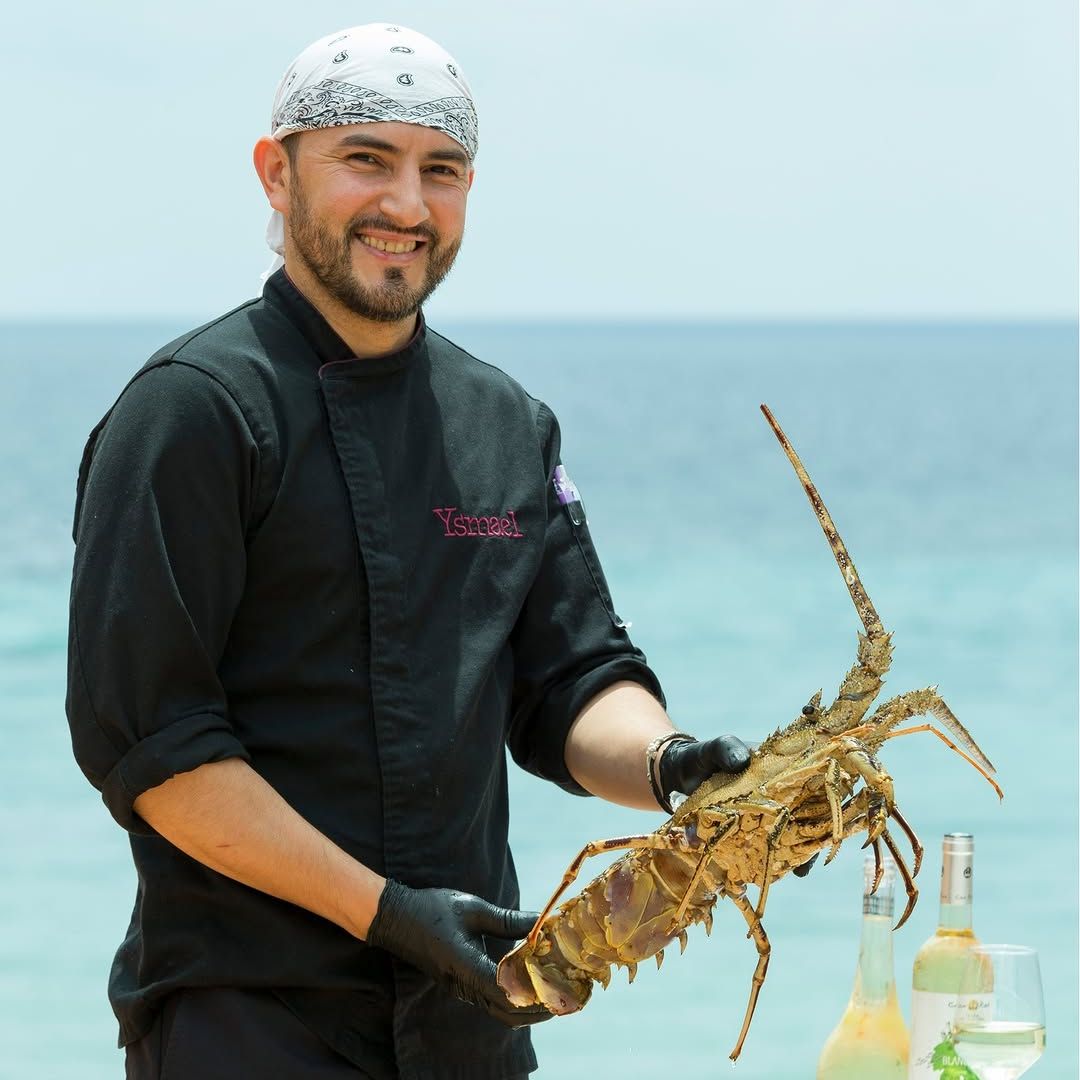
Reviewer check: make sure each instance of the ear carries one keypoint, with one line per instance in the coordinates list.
(472, 177)
(272, 165)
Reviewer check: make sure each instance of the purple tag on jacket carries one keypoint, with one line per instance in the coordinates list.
(564, 486)
(568, 495)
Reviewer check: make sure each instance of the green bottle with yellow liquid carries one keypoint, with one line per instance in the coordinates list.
(871, 1041)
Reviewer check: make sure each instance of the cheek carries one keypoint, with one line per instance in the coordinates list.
(340, 199)
(447, 210)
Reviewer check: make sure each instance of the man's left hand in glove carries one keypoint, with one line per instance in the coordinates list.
(441, 932)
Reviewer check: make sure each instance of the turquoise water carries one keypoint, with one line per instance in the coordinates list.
(948, 457)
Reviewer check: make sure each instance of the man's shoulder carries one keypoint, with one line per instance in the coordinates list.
(252, 353)
(482, 377)
(213, 343)
(219, 368)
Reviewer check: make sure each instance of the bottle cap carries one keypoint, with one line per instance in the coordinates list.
(883, 901)
(959, 843)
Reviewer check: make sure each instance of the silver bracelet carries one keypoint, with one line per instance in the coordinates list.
(652, 753)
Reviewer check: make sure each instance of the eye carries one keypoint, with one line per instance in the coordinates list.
(445, 170)
(363, 159)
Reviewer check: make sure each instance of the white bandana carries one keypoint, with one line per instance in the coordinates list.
(376, 72)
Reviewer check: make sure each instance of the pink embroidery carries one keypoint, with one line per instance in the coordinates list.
(482, 525)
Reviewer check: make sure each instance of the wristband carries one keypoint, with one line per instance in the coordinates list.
(652, 753)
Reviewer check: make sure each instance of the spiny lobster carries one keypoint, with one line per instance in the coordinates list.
(797, 796)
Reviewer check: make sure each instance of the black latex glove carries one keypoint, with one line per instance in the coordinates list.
(441, 932)
(684, 765)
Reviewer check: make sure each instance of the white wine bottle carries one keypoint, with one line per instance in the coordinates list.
(939, 964)
(871, 1042)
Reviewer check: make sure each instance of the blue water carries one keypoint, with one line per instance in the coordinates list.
(948, 457)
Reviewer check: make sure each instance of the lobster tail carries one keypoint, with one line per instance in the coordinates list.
(546, 975)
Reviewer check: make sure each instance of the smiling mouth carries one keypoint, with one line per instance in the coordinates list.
(391, 247)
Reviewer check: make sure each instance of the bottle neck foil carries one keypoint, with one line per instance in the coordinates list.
(957, 860)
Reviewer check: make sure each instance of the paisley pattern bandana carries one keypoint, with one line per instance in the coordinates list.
(367, 74)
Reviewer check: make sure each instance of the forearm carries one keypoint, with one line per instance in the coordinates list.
(229, 818)
(605, 748)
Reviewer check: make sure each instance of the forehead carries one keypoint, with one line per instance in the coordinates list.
(393, 136)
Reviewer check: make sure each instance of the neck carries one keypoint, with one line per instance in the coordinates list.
(874, 981)
(954, 917)
(366, 338)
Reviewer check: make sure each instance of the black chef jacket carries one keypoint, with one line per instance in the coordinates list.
(356, 575)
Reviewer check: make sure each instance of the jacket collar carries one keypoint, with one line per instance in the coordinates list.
(335, 356)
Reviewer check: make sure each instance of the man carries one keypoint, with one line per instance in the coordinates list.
(327, 564)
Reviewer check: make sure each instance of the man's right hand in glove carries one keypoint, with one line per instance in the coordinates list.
(441, 932)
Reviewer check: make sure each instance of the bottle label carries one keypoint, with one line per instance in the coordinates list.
(932, 1017)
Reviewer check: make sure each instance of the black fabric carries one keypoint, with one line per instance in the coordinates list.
(222, 1034)
(355, 575)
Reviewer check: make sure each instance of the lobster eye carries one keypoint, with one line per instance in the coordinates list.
(808, 710)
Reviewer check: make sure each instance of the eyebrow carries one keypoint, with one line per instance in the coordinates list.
(372, 142)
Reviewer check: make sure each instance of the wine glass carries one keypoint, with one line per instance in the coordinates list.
(998, 1027)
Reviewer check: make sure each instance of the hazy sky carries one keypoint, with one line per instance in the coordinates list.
(806, 158)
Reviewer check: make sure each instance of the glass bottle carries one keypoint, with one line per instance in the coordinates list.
(871, 1042)
(940, 962)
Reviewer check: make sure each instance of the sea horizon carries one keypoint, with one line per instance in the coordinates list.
(946, 453)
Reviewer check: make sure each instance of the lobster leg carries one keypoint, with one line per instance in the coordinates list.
(761, 940)
(879, 868)
(909, 883)
(782, 818)
(917, 702)
(857, 759)
(833, 791)
(854, 759)
(952, 746)
(727, 818)
(916, 845)
(643, 841)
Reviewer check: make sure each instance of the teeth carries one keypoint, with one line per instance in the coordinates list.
(391, 247)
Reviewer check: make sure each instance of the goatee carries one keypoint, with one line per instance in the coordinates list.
(329, 257)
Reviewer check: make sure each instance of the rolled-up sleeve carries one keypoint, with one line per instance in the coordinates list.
(569, 644)
(166, 488)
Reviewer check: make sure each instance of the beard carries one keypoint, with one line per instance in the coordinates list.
(329, 257)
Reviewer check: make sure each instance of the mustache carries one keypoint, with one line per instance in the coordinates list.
(423, 231)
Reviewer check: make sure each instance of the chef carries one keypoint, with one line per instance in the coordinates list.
(328, 565)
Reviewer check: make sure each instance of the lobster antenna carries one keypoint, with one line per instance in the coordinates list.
(862, 602)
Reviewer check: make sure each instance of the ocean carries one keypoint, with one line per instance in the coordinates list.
(947, 454)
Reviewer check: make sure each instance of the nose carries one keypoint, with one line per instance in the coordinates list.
(403, 199)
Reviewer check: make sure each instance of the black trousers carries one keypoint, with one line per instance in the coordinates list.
(225, 1034)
